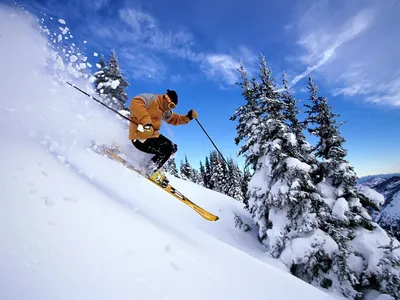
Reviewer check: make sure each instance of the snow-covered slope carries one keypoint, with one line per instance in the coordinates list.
(389, 187)
(76, 225)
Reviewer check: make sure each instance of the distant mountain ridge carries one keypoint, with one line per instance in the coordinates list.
(368, 178)
(389, 186)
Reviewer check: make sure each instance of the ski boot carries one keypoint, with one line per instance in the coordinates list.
(160, 178)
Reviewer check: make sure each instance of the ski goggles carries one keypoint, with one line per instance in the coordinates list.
(171, 105)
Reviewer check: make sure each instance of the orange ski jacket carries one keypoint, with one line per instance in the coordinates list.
(151, 109)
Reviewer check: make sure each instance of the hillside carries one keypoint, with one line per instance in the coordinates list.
(389, 187)
(76, 225)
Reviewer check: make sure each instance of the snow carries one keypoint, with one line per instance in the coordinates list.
(374, 295)
(279, 219)
(327, 191)
(355, 263)
(366, 243)
(376, 197)
(391, 211)
(59, 63)
(95, 54)
(73, 58)
(292, 162)
(61, 21)
(114, 84)
(302, 248)
(340, 208)
(76, 225)
(63, 30)
(291, 138)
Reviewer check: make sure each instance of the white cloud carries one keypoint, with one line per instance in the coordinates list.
(355, 48)
(221, 65)
(145, 40)
(143, 65)
(322, 46)
(225, 66)
(145, 29)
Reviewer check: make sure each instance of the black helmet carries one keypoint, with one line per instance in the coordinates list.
(173, 96)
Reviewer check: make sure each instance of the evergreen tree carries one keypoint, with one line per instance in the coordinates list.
(234, 181)
(116, 85)
(249, 119)
(208, 172)
(100, 76)
(218, 177)
(343, 212)
(110, 84)
(291, 111)
(280, 190)
(171, 168)
(196, 177)
(186, 170)
(203, 175)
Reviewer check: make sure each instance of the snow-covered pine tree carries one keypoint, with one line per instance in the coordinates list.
(114, 88)
(186, 170)
(280, 190)
(207, 179)
(196, 177)
(234, 181)
(249, 119)
(171, 168)
(218, 177)
(291, 113)
(203, 175)
(343, 213)
(100, 76)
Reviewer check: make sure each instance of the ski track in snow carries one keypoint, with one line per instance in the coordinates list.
(76, 225)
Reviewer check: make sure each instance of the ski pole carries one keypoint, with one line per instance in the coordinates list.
(212, 142)
(83, 92)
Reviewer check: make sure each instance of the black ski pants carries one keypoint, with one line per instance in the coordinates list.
(161, 147)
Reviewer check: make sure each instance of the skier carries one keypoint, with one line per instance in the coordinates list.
(147, 111)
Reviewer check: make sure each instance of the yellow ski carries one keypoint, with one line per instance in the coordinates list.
(169, 189)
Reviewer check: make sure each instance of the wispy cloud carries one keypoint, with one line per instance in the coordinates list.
(226, 66)
(147, 47)
(145, 29)
(321, 46)
(97, 4)
(145, 42)
(145, 65)
(354, 48)
(223, 65)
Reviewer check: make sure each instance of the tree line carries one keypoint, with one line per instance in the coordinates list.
(214, 174)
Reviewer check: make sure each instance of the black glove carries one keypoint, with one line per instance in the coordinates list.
(192, 114)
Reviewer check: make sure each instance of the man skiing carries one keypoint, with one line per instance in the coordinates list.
(147, 111)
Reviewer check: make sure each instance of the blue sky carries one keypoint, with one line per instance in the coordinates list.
(350, 46)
